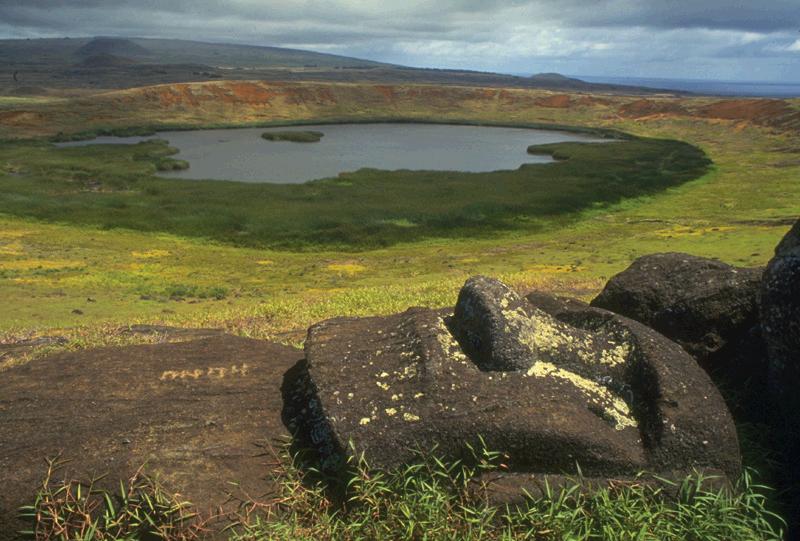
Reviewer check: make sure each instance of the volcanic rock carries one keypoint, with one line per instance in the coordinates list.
(200, 414)
(780, 323)
(708, 307)
(780, 317)
(578, 385)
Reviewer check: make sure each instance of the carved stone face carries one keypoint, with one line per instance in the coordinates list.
(551, 386)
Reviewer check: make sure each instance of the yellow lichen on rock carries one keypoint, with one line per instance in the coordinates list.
(612, 406)
(543, 334)
(448, 343)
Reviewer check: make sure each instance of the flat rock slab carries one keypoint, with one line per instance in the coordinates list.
(200, 414)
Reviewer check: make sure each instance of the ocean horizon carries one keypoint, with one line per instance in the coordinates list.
(701, 86)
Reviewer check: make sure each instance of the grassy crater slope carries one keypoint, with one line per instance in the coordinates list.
(113, 186)
(83, 282)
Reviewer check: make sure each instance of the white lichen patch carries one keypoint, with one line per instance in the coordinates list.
(612, 406)
(382, 385)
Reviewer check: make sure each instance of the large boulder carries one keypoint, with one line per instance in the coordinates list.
(200, 414)
(577, 386)
(780, 322)
(780, 318)
(708, 307)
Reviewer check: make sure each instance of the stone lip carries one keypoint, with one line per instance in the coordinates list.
(551, 384)
(201, 414)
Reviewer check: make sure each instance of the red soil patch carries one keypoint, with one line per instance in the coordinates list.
(250, 93)
(559, 101)
(644, 107)
(589, 101)
(386, 91)
(744, 109)
(20, 118)
(765, 112)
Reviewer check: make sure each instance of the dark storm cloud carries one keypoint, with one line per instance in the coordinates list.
(745, 15)
(510, 35)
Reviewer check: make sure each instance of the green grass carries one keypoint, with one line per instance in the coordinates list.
(72, 510)
(293, 136)
(114, 186)
(430, 500)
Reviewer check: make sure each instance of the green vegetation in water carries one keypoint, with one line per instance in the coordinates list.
(133, 131)
(431, 500)
(114, 186)
(293, 136)
(170, 164)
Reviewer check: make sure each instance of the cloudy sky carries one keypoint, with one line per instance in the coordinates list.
(708, 39)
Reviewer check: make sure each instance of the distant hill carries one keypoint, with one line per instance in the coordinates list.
(67, 51)
(106, 61)
(562, 82)
(113, 47)
(553, 78)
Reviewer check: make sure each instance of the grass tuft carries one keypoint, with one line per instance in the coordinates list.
(69, 510)
(430, 499)
(435, 500)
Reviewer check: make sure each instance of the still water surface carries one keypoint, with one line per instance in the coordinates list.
(241, 154)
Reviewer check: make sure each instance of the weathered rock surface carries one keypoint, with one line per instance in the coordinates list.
(576, 385)
(780, 322)
(198, 413)
(708, 307)
(780, 317)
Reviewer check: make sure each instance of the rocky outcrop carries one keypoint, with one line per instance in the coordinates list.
(202, 414)
(780, 322)
(780, 318)
(708, 307)
(577, 385)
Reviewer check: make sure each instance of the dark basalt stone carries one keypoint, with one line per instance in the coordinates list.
(577, 385)
(780, 323)
(780, 318)
(200, 414)
(708, 307)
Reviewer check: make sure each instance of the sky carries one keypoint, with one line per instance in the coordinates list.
(752, 40)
